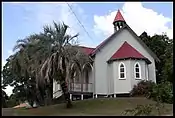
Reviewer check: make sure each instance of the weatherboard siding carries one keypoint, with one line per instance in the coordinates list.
(122, 85)
(105, 53)
(143, 66)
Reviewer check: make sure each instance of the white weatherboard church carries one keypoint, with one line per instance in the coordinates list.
(119, 63)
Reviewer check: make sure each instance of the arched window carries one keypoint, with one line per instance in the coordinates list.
(76, 78)
(137, 71)
(122, 71)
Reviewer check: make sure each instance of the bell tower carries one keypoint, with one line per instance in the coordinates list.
(119, 21)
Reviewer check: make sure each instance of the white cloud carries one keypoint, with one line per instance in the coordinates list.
(138, 18)
(59, 12)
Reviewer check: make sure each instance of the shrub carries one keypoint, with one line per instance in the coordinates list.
(143, 88)
(146, 109)
(162, 92)
(139, 110)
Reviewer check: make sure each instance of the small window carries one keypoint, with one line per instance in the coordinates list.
(122, 71)
(137, 71)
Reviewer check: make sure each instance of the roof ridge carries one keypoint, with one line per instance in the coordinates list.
(133, 34)
(106, 40)
(127, 51)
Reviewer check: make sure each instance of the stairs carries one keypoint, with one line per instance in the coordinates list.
(57, 94)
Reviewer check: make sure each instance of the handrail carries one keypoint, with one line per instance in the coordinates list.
(80, 83)
(78, 86)
(57, 91)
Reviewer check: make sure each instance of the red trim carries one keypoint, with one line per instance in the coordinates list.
(118, 17)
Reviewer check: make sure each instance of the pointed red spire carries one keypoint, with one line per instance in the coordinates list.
(118, 17)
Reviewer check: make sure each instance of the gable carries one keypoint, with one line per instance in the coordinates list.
(126, 51)
(126, 27)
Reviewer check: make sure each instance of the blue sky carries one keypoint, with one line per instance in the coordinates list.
(23, 19)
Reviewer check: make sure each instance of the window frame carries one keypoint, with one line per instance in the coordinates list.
(139, 67)
(119, 72)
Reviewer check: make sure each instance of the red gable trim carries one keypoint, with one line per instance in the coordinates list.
(127, 51)
(145, 59)
(118, 17)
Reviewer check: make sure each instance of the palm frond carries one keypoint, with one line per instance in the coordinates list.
(24, 41)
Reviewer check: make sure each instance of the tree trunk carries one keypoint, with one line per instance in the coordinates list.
(40, 95)
(64, 84)
(51, 90)
(66, 94)
(48, 96)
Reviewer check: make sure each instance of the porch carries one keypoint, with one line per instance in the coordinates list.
(81, 87)
(80, 91)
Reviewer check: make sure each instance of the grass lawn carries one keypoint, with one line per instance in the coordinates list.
(101, 106)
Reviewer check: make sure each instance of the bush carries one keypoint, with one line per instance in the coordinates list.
(139, 110)
(143, 88)
(163, 92)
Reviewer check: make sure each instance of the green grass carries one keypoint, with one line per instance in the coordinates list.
(101, 106)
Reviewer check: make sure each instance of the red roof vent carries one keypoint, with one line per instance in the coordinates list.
(127, 51)
(118, 17)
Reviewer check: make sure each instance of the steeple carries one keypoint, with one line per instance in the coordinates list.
(119, 21)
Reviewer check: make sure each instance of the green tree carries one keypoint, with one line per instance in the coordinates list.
(16, 75)
(4, 98)
(161, 45)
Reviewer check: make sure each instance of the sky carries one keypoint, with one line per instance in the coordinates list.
(19, 20)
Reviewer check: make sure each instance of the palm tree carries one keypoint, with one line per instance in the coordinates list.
(50, 55)
(65, 55)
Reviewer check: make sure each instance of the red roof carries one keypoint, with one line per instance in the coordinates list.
(118, 17)
(127, 51)
(87, 50)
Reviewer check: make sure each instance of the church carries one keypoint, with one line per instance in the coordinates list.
(119, 63)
